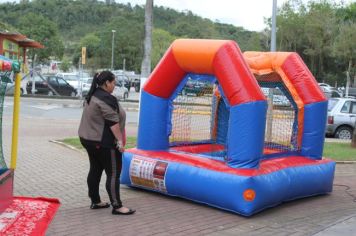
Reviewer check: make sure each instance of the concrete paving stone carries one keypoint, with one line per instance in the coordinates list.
(266, 231)
(50, 170)
(251, 226)
(305, 233)
(343, 227)
(228, 232)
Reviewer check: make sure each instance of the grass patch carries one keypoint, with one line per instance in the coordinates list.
(339, 151)
(335, 151)
(74, 142)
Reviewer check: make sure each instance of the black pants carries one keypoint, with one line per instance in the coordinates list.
(109, 160)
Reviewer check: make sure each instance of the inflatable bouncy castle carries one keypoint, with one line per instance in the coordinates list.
(240, 132)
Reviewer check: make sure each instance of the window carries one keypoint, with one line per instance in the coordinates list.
(346, 107)
(37, 79)
(70, 78)
(61, 81)
(353, 108)
(52, 80)
(331, 104)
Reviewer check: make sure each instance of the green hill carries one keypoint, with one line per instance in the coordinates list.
(73, 24)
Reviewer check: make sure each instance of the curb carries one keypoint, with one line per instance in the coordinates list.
(66, 145)
(345, 162)
(79, 150)
(131, 109)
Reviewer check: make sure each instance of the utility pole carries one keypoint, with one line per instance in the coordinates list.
(112, 49)
(273, 30)
(146, 62)
(270, 90)
(124, 65)
(32, 74)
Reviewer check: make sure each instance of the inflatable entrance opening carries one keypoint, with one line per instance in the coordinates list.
(241, 132)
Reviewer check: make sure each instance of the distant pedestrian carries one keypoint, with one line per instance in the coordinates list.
(102, 133)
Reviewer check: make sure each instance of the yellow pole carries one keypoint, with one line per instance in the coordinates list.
(15, 121)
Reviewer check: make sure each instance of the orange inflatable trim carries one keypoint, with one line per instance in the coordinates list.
(293, 73)
(196, 56)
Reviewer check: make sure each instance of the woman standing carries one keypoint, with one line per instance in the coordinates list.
(102, 133)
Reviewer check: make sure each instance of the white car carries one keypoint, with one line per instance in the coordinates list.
(71, 78)
(341, 117)
(75, 80)
(120, 92)
(325, 87)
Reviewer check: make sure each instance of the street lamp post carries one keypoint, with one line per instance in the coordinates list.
(112, 49)
(270, 91)
(273, 30)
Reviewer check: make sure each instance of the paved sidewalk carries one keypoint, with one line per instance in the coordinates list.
(51, 170)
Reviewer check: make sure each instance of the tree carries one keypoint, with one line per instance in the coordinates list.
(291, 23)
(146, 62)
(92, 43)
(345, 49)
(65, 65)
(44, 31)
(160, 42)
(320, 28)
(345, 46)
(128, 42)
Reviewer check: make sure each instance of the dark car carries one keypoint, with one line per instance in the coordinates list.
(136, 83)
(50, 85)
(197, 88)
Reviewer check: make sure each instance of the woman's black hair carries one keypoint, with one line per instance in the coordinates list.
(99, 79)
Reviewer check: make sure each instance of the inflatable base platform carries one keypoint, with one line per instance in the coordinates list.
(212, 182)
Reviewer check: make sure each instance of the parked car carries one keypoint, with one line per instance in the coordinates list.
(120, 91)
(325, 87)
(86, 86)
(72, 79)
(51, 85)
(194, 87)
(136, 83)
(333, 93)
(341, 117)
(10, 88)
(279, 99)
(125, 81)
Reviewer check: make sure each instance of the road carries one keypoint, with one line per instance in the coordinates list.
(71, 109)
(49, 108)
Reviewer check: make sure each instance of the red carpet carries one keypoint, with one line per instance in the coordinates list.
(28, 216)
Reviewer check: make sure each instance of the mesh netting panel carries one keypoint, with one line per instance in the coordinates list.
(281, 122)
(192, 114)
(200, 116)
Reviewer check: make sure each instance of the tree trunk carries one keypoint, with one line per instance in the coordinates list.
(353, 142)
(321, 66)
(146, 62)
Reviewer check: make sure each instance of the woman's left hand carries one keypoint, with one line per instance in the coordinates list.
(121, 149)
(120, 146)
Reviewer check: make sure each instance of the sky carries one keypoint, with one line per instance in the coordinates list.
(248, 14)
